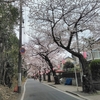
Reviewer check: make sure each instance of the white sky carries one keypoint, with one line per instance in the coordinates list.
(25, 25)
(25, 30)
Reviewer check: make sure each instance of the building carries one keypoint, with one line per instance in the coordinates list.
(94, 52)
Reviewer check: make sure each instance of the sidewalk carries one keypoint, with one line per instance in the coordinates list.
(74, 90)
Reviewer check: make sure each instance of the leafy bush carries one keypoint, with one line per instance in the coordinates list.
(68, 67)
(95, 69)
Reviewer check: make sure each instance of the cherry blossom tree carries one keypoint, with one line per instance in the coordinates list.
(66, 20)
(41, 46)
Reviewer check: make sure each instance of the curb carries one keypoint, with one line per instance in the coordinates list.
(22, 91)
(52, 85)
(77, 95)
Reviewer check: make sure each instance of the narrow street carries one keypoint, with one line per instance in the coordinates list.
(34, 90)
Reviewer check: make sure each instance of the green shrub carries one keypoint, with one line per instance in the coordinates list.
(68, 67)
(95, 69)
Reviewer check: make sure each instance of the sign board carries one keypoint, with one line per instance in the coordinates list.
(22, 50)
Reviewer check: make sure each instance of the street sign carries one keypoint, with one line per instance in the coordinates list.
(22, 50)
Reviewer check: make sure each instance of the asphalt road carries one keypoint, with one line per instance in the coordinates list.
(34, 90)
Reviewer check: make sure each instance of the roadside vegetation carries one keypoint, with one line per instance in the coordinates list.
(9, 44)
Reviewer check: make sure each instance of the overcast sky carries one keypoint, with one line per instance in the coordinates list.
(25, 28)
(25, 25)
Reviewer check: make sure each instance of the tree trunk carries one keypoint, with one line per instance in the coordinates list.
(4, 73)
(44, 75)
(49, 78)
(44, 79)
(1, 70)
(56, 79)
(88, 86)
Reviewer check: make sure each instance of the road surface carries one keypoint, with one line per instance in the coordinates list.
(34, 90)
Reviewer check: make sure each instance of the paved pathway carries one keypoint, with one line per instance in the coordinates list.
(73, 90)
(34, 90)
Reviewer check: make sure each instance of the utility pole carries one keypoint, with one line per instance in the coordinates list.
(78, 49)
(20, 45)
(77, 41)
